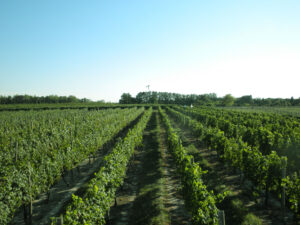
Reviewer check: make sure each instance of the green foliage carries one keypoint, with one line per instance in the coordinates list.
(199, 201)
(245, 100)
(228, 100)
(25, 99)
(94, 206)
(38, 147)
(267, 132)
(292, 186)
(251, 219)
(126, 98)
(209, 100)
(257, 161)
(238, 208)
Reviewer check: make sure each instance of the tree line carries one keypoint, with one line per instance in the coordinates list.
(152, 97)
(27, 99)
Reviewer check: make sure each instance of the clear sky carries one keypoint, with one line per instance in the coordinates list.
(101, 49)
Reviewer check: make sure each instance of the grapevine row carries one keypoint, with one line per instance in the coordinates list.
(199, 201)
(39, 148)
(266, 131)
(94, 205)
(263, 170)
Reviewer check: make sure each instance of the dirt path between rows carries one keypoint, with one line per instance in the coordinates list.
(74, 182)
(219, 178)
(173, 199)
(150, 194)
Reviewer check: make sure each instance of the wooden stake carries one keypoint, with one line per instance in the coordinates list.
(30, 195)
(61, 219)
(221, 215)
(283, 176)
(25, 213)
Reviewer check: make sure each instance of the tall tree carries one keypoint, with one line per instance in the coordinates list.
(228, 100)
(126, 98)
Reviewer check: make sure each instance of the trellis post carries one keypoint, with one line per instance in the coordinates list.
(283, 176)
(221, 217)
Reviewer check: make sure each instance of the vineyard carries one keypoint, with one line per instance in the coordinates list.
(148, 164)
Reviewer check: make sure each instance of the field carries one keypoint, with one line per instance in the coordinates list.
(148, 164)
(293, 111)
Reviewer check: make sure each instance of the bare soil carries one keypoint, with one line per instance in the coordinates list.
(151, 189)
(173, 199)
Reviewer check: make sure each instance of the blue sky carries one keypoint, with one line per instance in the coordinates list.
(101, 49)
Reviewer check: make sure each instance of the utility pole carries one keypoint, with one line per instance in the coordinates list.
(148, 86)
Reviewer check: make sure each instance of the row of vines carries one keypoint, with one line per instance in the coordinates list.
(93, 207)
(37, 148)
(262, 168)
(268, 132)
(200, 202)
